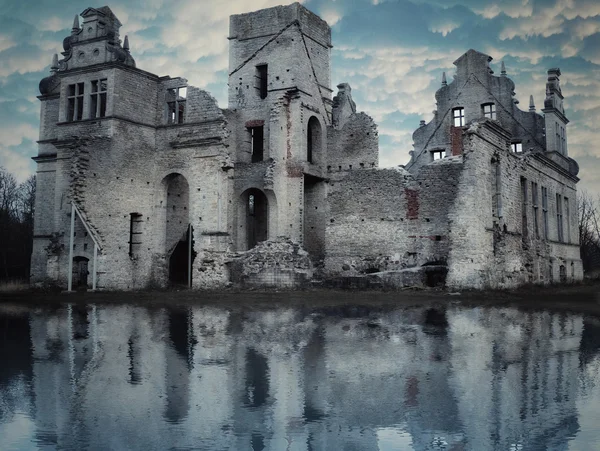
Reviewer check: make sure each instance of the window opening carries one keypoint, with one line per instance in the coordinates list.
(459, 116)
(559, 217)
(257, 138)
(262, 76)
(135, 232)
(98, 99)
(313, 139)
(545, 210)
(524, 230)
(176, 99)
(251, 204)
(568, 220)
(534, 208)
(438, 154)
(75, 102)
(489, 110)
(517, 147)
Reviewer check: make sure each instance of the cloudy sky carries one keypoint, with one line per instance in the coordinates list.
(392, 52)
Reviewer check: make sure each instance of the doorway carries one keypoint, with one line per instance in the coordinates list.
(80, 272)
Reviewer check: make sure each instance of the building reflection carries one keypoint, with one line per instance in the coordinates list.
(127, 377)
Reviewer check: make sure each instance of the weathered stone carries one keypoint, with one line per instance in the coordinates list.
(286, 178)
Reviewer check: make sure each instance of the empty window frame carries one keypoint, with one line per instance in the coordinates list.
(568, 218)
(313, 139)
(534, 208)
(559, 217)
(459, 116)
(135, 234)
(438, 154)
(517, 147)
(98, 98)
(489, 110)
(257, 143)
(176, 100)
(262, 75)
(545, 211)
(75, 102)
(524, 231)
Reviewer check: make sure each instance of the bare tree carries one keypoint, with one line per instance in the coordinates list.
(8, 193)
(589, 230)
(17, 203)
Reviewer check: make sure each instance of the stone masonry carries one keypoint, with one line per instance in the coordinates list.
(169, 189)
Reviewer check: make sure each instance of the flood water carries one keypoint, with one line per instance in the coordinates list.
(127, 377)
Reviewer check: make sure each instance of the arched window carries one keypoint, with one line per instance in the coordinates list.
(313, 139)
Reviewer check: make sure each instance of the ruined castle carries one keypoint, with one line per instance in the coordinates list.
(143, 180)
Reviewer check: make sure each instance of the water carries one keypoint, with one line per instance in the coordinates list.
(112, 377)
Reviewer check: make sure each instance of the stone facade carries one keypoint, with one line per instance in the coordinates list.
(163, 187)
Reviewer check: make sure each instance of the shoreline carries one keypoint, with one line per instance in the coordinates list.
(580, 298)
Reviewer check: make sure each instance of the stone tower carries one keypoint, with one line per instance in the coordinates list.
(279, 90)
(554, 113)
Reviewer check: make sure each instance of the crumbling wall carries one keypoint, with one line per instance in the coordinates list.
(279, 263)
(491, 245)
(353, 146)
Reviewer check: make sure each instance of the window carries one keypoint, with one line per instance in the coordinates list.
(313, 139)
(75, 102)
(568, 221)
(489, 110)
(545, 210)
(257, 137)
(524, 230)
(438, 154)
(135, 232)
(176, 98)
(251, 211)
(98, 99)
(559, 217)
(517, 147)
(262, 79)
(534, 208)
(459, 116)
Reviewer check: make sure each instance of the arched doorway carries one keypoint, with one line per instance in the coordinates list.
(178, 232)
(313, 140)
(257, 210)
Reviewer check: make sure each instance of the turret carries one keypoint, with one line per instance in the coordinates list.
(554, 114)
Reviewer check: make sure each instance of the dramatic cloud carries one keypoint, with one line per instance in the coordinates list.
(392, 52)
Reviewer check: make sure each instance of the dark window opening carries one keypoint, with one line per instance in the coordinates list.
(568, 221)
(534, 207)
(313, 139)
(98, 99)
(262, 75)
(75, 102)
(524, 208)
(559, 217)
(257, 138)
(545, 211)
(176, 101)
(135, 232)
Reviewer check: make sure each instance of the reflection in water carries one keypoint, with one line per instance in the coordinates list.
(127, 377)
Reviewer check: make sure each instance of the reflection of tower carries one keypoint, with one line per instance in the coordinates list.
(257, 385)
(515, 376)
(179, 359)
